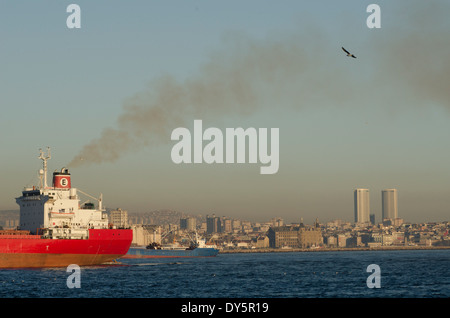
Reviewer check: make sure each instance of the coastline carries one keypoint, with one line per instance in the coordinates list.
(332, 249)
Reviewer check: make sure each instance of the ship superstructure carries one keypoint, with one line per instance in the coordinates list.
(56, 210)
(56, 229)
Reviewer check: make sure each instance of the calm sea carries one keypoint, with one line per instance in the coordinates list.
(403, 274)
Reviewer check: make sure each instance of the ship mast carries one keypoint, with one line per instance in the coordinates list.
(44, 159)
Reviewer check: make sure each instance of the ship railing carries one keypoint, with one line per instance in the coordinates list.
(14, 232)
(15, 236)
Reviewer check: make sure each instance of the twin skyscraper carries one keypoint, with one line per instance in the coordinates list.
(389, 204)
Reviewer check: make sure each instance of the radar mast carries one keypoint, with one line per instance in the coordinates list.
(44, 159)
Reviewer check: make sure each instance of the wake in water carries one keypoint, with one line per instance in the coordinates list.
(155, 264)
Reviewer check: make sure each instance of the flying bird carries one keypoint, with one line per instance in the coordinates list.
(348, 53)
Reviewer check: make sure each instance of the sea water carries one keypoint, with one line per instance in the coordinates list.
(343, 274)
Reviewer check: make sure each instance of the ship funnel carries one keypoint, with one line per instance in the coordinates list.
(61, 180)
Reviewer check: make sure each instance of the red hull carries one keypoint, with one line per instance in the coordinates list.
(32, 251)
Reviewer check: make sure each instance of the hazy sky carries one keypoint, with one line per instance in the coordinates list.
(112, 92)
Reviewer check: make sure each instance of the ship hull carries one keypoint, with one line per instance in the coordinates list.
(103, 245)
(136, 252)
(26, 260)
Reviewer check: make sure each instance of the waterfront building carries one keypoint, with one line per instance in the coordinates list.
(262, 242)
(362, 205)
(144, 235)
(119, 218)
(330, 241)
(398, 238)
(283, 236)
(389, 201)
(11, 224)
(308, 237)
(295, 236)
(342, 240)
(377, 238)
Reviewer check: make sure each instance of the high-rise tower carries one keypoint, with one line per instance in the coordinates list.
(362, 205)
(389, 201)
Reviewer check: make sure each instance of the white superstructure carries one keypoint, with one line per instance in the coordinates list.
(58, 208)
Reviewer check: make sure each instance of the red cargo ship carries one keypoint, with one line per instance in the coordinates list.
(55, 230)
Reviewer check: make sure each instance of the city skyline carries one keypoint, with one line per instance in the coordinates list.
(107, 97)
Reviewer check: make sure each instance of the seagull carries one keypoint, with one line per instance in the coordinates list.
(348, 53)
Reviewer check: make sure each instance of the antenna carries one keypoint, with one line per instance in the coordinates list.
(44, 159)
(41, 175)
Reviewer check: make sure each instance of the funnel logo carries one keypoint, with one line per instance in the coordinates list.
(63, 182)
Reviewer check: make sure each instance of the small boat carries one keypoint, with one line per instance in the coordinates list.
(155, 250)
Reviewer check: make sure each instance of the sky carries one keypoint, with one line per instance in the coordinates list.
(112, 92)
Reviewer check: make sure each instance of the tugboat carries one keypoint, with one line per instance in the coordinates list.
(197, 248)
